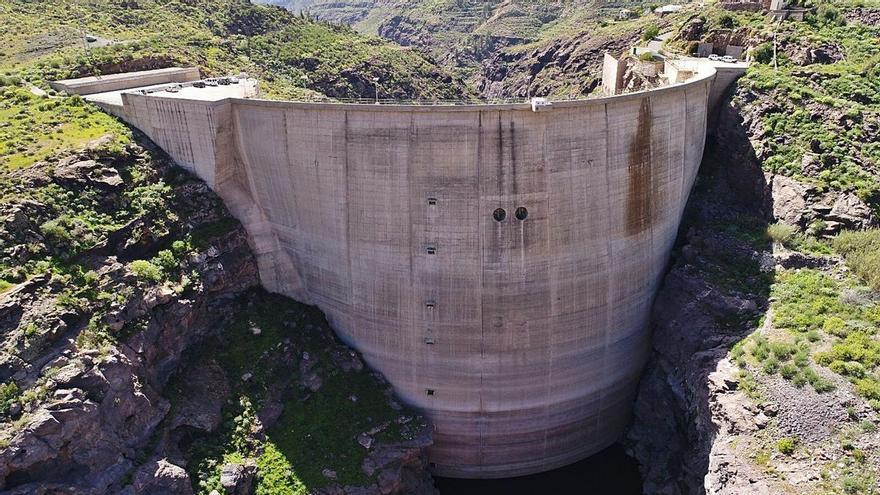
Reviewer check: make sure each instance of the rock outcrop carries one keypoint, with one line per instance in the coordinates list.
(695, 423)
(717, 284)
(91, 348)
(557, 66)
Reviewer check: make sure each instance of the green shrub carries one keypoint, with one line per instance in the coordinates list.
(857, 346)
(818, 383)
(852, 485)
(771, 365)
(804, 299)
(868, 388)
(646, 57)
(848, 368)
(816, 227)
(650, 32)
(809, 244)
(57, 231)
(145, 270)
(764, 53)
(802, 358)
(782, 350)
(167, 261)
(862, 253)
(780, 232)
(828, 14)
(836, 326)
(9, 393)
(788, 371)
(851, 413)
(786, 445)
(180, 248)
(727, 21)
(760, 348)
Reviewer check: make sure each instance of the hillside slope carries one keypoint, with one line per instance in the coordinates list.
(288, 53)
(765, 374)
(476, 38)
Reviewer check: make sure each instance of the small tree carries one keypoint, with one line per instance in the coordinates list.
(786, 445)
(727, 21)
(764, 53)
(145, 270)
(650, 32)
(829, 14)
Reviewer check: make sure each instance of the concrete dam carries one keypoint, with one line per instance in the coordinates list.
(497, 263)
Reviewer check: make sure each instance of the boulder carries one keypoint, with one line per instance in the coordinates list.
(88, 172)
(238, 478)
(202, 397)
(161, 477)
(790, 200)
(852, 212)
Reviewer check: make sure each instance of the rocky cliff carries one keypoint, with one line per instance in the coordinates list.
(146, 361)
(760, 381)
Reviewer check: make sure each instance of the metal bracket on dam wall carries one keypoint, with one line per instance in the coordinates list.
(496, 264)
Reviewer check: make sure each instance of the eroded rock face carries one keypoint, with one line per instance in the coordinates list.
(160, 477)
(94, 406)
(800, 205)
(698, 315)
(692, 416)
(238, 478)
(790, 200)
(865, 15)
(97, 355)
(548, 68)
(104, 406)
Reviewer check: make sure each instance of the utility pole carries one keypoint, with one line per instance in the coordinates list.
(775, 31)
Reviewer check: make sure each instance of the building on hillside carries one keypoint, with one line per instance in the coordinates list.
(612, 74)
(626, 14)
(777, 9)
(745, 5)
(667, 9)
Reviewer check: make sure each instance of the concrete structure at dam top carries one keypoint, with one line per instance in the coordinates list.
(497, 263)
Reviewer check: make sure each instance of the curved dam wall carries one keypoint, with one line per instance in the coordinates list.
(522, 337)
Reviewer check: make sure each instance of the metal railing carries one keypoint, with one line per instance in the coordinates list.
(413, 102)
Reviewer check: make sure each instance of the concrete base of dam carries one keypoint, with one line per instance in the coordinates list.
(497, 263)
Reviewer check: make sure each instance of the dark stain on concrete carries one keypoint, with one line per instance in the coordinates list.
(499, 178)
(513, 163)
(639, 201)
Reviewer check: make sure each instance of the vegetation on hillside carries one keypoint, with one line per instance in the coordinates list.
(819, 96)
(463, 34)
(317, 431)
(33, 127)
(822, 332)
(292, 55)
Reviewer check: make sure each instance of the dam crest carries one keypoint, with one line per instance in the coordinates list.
(496, 263)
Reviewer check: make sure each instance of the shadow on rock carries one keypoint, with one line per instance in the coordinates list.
(713, 296)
